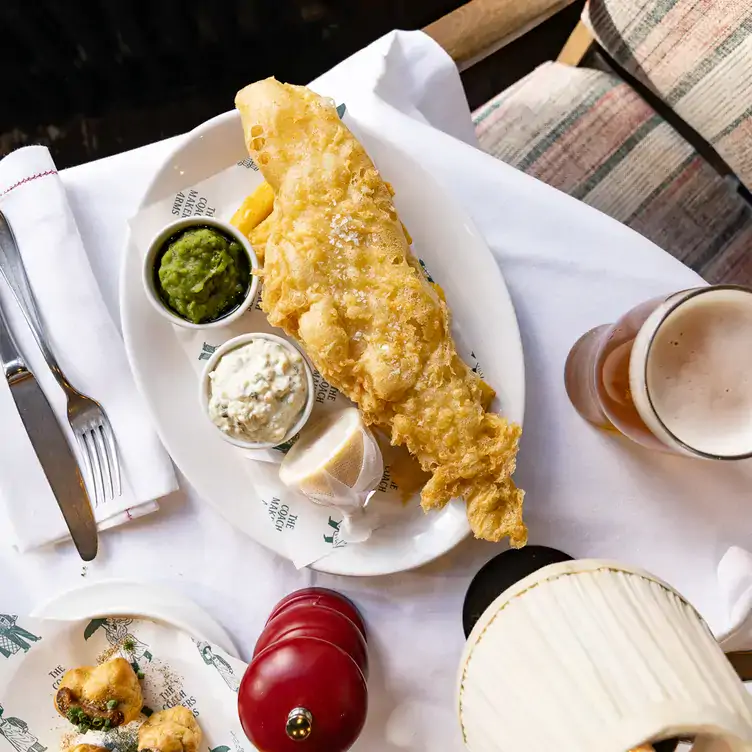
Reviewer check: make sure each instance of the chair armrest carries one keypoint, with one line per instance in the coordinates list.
(577, 46)
(481, 27)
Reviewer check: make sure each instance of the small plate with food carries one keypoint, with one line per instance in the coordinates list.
(119, 682)
(394, 301)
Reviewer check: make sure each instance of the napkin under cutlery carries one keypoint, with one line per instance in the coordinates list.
(90, 350)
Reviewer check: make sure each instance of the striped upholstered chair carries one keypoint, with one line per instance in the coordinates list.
(591, 134)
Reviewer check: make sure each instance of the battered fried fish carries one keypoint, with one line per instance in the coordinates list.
(340, 278)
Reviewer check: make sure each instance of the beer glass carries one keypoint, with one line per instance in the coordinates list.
(674, 373)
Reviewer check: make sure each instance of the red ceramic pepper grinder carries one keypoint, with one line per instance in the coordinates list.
(305, 690)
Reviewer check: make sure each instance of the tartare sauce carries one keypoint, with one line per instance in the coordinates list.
(258, 391)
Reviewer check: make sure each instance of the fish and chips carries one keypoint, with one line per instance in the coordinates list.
(339, 276)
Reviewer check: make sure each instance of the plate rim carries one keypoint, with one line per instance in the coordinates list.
(122, 591)
(328, 564)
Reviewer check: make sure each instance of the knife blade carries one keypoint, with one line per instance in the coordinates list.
(50, 444)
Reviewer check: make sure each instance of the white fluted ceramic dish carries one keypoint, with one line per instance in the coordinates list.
(593, 656)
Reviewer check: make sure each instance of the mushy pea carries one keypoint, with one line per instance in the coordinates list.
(203, 274)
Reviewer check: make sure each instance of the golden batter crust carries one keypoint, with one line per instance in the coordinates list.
(339, 277)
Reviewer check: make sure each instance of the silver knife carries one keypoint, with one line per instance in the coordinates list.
(50, 444)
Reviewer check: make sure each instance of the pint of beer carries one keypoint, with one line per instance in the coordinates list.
(674, 373)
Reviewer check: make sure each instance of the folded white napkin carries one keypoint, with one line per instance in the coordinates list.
(89, 349)
(735, 581)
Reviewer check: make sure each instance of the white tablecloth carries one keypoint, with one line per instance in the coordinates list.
(593, 495)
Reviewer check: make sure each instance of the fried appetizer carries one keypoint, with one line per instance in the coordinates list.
(100, 697)
(88, 748)
(340, 278)
(172, 730)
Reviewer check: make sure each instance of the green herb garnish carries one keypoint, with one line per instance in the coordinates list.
(112, 704)
(140, 674)
(129, 644)
(78, 718)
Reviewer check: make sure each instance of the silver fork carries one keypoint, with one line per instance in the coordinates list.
(87, 418)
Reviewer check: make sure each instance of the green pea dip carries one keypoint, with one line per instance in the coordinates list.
(202, 274)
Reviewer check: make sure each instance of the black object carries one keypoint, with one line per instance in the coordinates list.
(114, 74)
(502, 572)
(668, 745)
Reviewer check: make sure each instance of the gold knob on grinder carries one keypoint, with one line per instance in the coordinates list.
(299, 724)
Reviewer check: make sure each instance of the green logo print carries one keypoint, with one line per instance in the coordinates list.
(333, 539)
(17, 733)
(14, 638)
(207, 351)
(425, 271)
(476, 368)
(287, 446)
(224, 669)
(120, 636)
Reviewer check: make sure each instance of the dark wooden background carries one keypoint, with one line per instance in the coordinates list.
(91, 78)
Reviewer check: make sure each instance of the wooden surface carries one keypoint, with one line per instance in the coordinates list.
(481, 27)
(577, 46)
(499, 71)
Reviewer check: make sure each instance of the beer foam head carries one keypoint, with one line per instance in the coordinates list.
(698, 374)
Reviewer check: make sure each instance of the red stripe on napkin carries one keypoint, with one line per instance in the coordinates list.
(29, 179)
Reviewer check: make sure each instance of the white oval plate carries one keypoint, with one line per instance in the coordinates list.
(483, 323)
